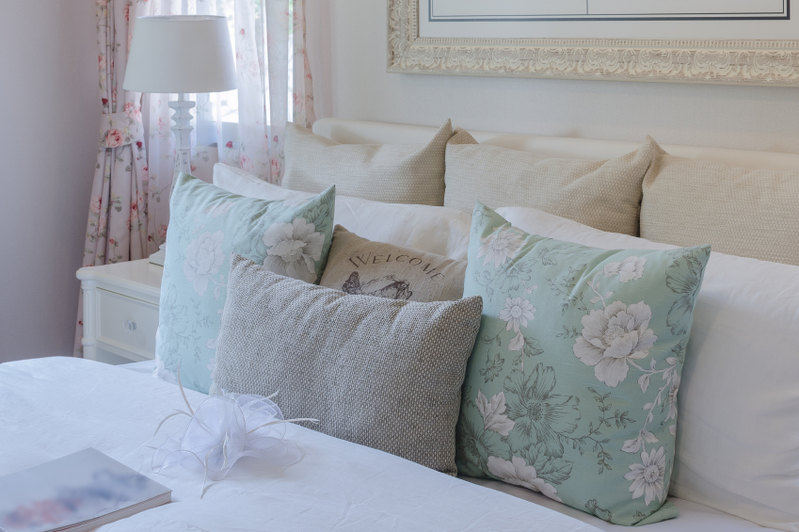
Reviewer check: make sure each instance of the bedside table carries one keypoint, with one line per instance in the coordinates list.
(120, 310)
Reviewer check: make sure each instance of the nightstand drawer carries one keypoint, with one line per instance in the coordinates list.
(127, 324)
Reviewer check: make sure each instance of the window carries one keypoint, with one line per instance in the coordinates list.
(217, 114)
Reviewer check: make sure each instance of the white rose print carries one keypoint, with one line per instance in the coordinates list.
(204, 258)
(630, 269)
(296, 246)
(613, 337)
(499, 246)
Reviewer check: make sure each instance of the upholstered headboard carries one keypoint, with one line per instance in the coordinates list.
(362, 131)
(742, 202)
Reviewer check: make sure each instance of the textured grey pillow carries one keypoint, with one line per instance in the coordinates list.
(379, 372)
(605, 194)
(360, 266)
(395, 173)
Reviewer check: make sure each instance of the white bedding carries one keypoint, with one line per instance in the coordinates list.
(693, 517)
(50, 407)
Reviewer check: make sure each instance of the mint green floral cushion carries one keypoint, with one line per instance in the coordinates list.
(207, 225)
(571, 389)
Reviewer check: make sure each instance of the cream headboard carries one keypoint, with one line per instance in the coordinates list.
(367, 132)
(744, 206)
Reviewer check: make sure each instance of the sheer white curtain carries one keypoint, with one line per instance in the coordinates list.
(248, 125)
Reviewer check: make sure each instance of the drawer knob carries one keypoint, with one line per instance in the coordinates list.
(130, 325)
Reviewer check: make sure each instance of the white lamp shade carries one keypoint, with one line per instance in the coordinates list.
(180, 53)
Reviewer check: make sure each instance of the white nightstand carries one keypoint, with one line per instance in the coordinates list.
(120, 310)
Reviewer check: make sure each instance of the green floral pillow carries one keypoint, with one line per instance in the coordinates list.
(572, 386)
(207, 225)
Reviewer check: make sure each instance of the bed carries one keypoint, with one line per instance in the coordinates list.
(53, 406)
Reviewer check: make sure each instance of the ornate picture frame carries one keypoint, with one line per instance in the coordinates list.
(745, 61)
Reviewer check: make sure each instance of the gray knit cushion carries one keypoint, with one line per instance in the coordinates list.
(360, 266)
(375, 371)
(396, 173)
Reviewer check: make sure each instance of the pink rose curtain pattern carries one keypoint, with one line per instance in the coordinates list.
(117, 227)
(129, 204)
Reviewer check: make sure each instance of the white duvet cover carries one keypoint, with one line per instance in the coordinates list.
(50, 407)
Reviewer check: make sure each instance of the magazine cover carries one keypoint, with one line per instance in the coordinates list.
(80, 491)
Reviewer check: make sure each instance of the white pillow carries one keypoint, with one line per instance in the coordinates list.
(738, 428)
(439, 230)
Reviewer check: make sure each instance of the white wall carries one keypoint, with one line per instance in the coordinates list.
(49, 114)
(349, 66)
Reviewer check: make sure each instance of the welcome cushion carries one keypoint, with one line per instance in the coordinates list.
(360, 266)
(571, 388)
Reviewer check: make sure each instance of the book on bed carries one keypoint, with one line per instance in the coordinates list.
(77, 492)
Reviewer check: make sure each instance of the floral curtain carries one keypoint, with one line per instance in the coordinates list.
(129, 209)
(117, 228)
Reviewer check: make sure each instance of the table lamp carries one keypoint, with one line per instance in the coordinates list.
(180, 54)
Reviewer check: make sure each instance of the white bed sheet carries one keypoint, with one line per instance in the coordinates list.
(693, 516)
(50, 407)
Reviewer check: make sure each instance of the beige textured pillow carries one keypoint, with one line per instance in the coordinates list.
(395, 173)
(603, 194)
(360, 266)
(375, 371)
(739, 211)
